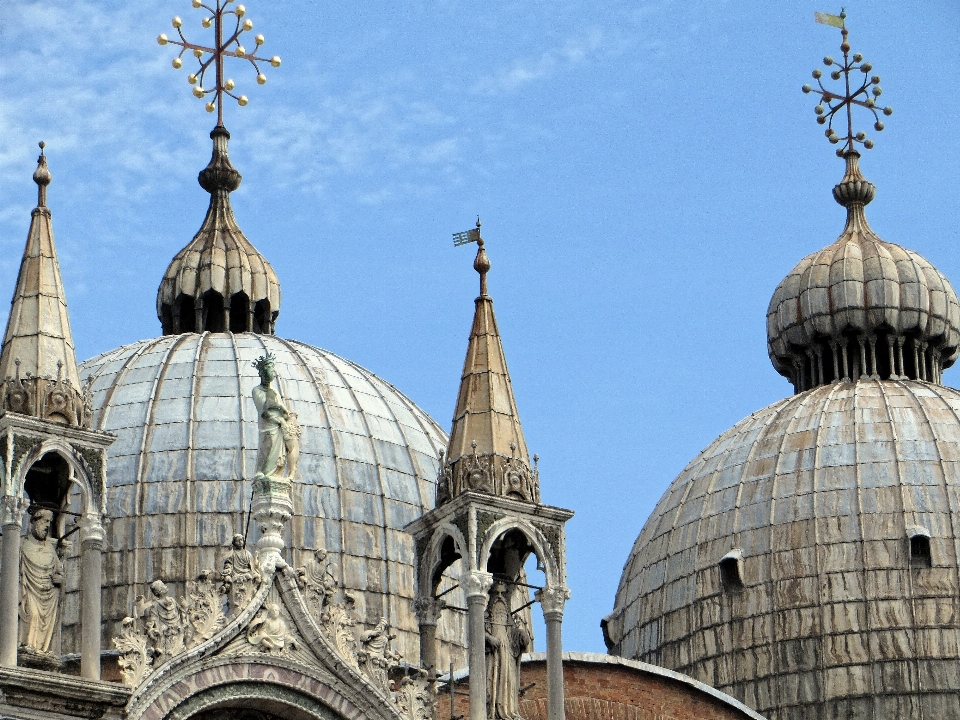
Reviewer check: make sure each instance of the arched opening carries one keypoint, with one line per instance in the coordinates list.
(262, 321)
(920, 555)
(166, 319)
(213, 312)
(731, 571)
(48, 481)
(509, 556)
(186, 311)
(239, 312)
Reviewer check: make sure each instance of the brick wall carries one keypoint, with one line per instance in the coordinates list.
(609, 691)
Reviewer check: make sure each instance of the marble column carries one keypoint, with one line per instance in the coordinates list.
(11, 517)
(428, 615)
(552, 600)
(476, 585)
(91, 569)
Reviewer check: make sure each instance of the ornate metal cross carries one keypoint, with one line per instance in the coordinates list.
(208, 57)
(865, 96)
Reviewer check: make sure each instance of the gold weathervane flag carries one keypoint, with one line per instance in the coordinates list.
(467, 236)
(828, 19)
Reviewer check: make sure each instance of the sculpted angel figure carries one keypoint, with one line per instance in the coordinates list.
(240, 574)
(163, 621)
(41, 575)
(279, 450)
(269, 631)
(506, 641)
(376, 656)
(319, 579)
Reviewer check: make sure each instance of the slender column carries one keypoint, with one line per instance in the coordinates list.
(873, 357)
(920, 353)
(11, 517)
(175, 315)
(863, 357)
(476, 585)
(893, 368)
(836, 361)
(814, 380)
(819, 351)
(200, 314)
(552, 600)
(903, 372)
(250, 319)
(428, 615)
(226, 314)
(846, 365)
(91, 568)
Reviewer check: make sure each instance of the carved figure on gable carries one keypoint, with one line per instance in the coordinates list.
(279, 449)
(163, 621)
(240, 575)
(269, 631)
(41, 575)
(506, 641)
(337, 622)
(376, 656)
(320, 581)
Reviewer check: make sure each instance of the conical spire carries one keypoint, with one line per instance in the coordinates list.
(487, 451)
(38, 361)
(219, 282)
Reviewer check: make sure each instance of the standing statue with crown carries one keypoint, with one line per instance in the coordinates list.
(279, 449)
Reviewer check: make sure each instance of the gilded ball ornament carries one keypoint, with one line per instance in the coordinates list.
(261, 79)
(229, 84)
(818, 109)
(806, 88)
(240, 11)
(275, 61)
(845, 47)
(197, 3)
(248, 24)
(877, 91)
(817, 74)
(177, 63)
(198, 53)
(835, 75)
(162, 39)
(198, 91)
(866, 67)
(888, 111)
(878, 126)
(177, 22)
(857, 57)
(192, 79)
(259, 40)
(242, 100)
(240, 51)
(206, 22)
(828, 60)
(868, 144)
(210, 107)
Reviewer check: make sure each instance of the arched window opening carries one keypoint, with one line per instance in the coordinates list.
(920, 555)
(261, 318)
(48, 482)
(187, 314)
(731, 571)
(448, 556)
(166, 319)
(239, 312)
(213, 312)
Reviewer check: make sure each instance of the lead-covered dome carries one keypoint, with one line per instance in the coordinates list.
(806, 562)
(862, 306)
(179, 473)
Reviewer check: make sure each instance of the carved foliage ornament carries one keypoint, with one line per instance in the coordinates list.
(48, 398)
(492, 474)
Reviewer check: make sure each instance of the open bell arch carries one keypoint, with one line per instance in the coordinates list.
(548, 555)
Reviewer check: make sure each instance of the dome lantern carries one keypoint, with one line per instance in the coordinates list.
(861, 307)
(219, 282)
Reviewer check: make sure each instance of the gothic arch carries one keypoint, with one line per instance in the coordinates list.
(91, 488)
(541, 547)
(432, 563)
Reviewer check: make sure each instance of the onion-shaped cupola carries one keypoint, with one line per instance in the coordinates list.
(862, 307)
(219, 282)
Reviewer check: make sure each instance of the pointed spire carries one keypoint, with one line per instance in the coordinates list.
(38, 363)
(487, 451)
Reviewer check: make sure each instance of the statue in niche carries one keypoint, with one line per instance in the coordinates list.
(269, 631)
(506, 641)
(41, 575)
(240, 575)
(279, 450)
(163, 621)
(375, 656)
(319, 579)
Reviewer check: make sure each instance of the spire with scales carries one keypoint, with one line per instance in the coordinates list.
(38, 362)
(487, 451)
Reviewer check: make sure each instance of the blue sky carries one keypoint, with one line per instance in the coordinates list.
(646, 172)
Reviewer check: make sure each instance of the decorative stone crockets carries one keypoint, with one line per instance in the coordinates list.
(38, 363)
(487, 451)
(862, 307)
(219, 282)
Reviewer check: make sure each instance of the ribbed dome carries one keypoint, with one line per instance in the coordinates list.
(179, 473)
(787, 565)
(862, 307)
(219, 281)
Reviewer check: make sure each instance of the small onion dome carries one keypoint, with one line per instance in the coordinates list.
(219, 282)
(862, 307)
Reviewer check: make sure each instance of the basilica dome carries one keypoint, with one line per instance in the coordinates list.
(179, 472)
(806, 562)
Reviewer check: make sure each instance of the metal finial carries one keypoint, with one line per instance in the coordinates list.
(42, 146)
(864, 96)
(207, 56)
(481, 262)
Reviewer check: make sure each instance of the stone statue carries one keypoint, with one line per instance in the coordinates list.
(320, 580)
(506, 641)
(269, 631)
(163, 622)
(240, 575)
(41, 575)
(337, 623)
(279, 451)
(376, 657)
